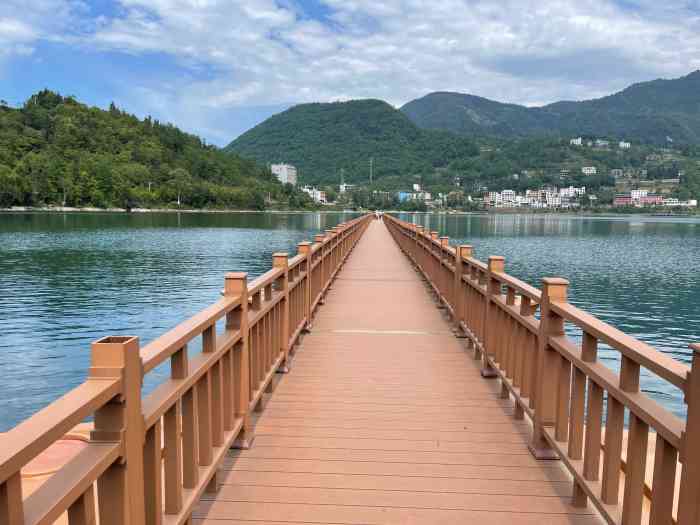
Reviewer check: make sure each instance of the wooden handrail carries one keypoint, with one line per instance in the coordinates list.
(561, 384)
(150, 458)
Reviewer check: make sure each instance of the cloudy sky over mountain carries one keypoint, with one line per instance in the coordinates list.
(217, 67)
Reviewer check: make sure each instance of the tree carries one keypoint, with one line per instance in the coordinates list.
(180, 180)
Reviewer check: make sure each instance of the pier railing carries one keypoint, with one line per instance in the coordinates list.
(648, 472)
(149, 458)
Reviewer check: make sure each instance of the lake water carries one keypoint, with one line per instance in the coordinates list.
(68, 279)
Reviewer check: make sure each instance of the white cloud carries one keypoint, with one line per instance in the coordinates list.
(239, 53)
(23, 23)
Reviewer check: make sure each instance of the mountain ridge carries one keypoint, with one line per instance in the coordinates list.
(322, 138)
(647, 111)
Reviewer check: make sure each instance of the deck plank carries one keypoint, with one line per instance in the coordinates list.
(386, 419)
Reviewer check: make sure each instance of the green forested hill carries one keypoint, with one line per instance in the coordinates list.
(644, 112)
(322, 139)
(56, 151)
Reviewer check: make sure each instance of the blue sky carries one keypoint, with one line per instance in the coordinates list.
(218, 67)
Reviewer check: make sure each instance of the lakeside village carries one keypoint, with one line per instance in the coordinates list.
(632, 190)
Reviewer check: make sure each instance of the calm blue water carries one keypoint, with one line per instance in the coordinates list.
(69, 279)
(66, 280)
(639, 274)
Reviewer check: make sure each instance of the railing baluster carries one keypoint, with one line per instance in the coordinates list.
(11, 509)
(664, 482)
(82, 510)
(204, 419)
(217, 405)
(172, 459)
(190, 439)
(633, 502)
(152, 475)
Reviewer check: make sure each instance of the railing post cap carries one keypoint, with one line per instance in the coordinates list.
(116, 340)
(280, 260)
(497, 263)
(465, 249)
(304, 243)
(695, 347)
(111, 351)
(236, 276)
(555, 281)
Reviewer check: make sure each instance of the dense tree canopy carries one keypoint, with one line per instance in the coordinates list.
(56, 151)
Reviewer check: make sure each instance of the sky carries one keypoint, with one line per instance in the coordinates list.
(218, 67)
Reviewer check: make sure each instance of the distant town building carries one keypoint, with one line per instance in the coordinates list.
(589, 170)
(571, 192)
(576, 142)
(673, 202)
(599, 143)
(416, 187)
(285, 173)
(317, 195)
(638, 198)
(344, 188)
(624, 145)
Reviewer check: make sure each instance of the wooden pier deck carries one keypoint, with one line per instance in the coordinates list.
(385, 418)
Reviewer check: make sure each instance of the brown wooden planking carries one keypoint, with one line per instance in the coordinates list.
(374, 497)
(306, 513)
(385, 419)
(375, 468)
(474, 485)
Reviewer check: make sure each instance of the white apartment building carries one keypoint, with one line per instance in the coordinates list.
(576, 142)
(344, 188)
(508, 196)
(285, 173)
(316, 194)
(572, 192)
(624, 145)
(638, 194)
(589, 170)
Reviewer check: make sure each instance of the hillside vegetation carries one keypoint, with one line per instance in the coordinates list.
(645, 112)
(322, 139)
(56, 151)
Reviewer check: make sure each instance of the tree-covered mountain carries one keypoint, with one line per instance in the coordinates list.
(56, 151)
(644, 112)
(322, 139)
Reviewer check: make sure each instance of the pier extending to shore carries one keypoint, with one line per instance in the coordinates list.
(427, 388)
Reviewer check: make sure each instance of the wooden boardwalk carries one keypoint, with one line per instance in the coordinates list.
(385, 418)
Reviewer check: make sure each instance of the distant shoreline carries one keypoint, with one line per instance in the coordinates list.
(69, 209)
(569, 213)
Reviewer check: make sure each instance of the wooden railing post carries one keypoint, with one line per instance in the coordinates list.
(281, 260)
(121, 488)
(689, 497)
(554, 290)
(305, 250)
(493, 288)
(236, 284)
